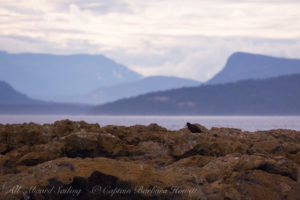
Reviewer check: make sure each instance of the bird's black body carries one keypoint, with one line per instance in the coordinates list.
(193, 128)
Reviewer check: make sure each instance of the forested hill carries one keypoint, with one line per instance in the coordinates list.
(274, 96)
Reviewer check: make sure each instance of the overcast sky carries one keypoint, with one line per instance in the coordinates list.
(190, 38)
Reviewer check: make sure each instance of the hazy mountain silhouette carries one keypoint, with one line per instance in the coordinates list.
(14, 102)
(273, 96)
(46, 76)
(242, 66)
(9, 95)
(130, 89)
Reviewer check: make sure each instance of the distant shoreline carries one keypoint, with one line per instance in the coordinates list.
(246, 123)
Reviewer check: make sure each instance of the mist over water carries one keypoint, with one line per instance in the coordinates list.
(246, 123)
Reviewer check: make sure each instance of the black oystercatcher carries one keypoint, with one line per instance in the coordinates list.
(193, 128)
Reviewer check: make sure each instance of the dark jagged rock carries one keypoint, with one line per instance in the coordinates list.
(149, 162)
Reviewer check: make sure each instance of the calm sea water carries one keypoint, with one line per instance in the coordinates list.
(247, 123)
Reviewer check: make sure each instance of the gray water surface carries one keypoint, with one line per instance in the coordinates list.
(247, 123)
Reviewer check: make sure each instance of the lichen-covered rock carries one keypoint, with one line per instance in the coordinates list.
(77, 160)
(31, 134)
(33, 158)
(3, 148)
(76, 145)
(181, 142)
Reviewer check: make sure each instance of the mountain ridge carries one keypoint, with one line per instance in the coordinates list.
(134, 88)
(14, 102)
(47, 76)
(270, 96)
(10, 96)
(243, 66)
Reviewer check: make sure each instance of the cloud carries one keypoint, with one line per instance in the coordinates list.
(189, 38)
(201, 57)
(104, 6)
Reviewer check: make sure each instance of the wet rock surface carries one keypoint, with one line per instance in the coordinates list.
(76, 160)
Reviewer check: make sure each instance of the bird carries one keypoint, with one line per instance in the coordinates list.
(193, 128)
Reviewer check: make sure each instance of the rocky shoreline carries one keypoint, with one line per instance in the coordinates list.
(77, 160)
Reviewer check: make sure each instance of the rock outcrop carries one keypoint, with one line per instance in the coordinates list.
(76, 160)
